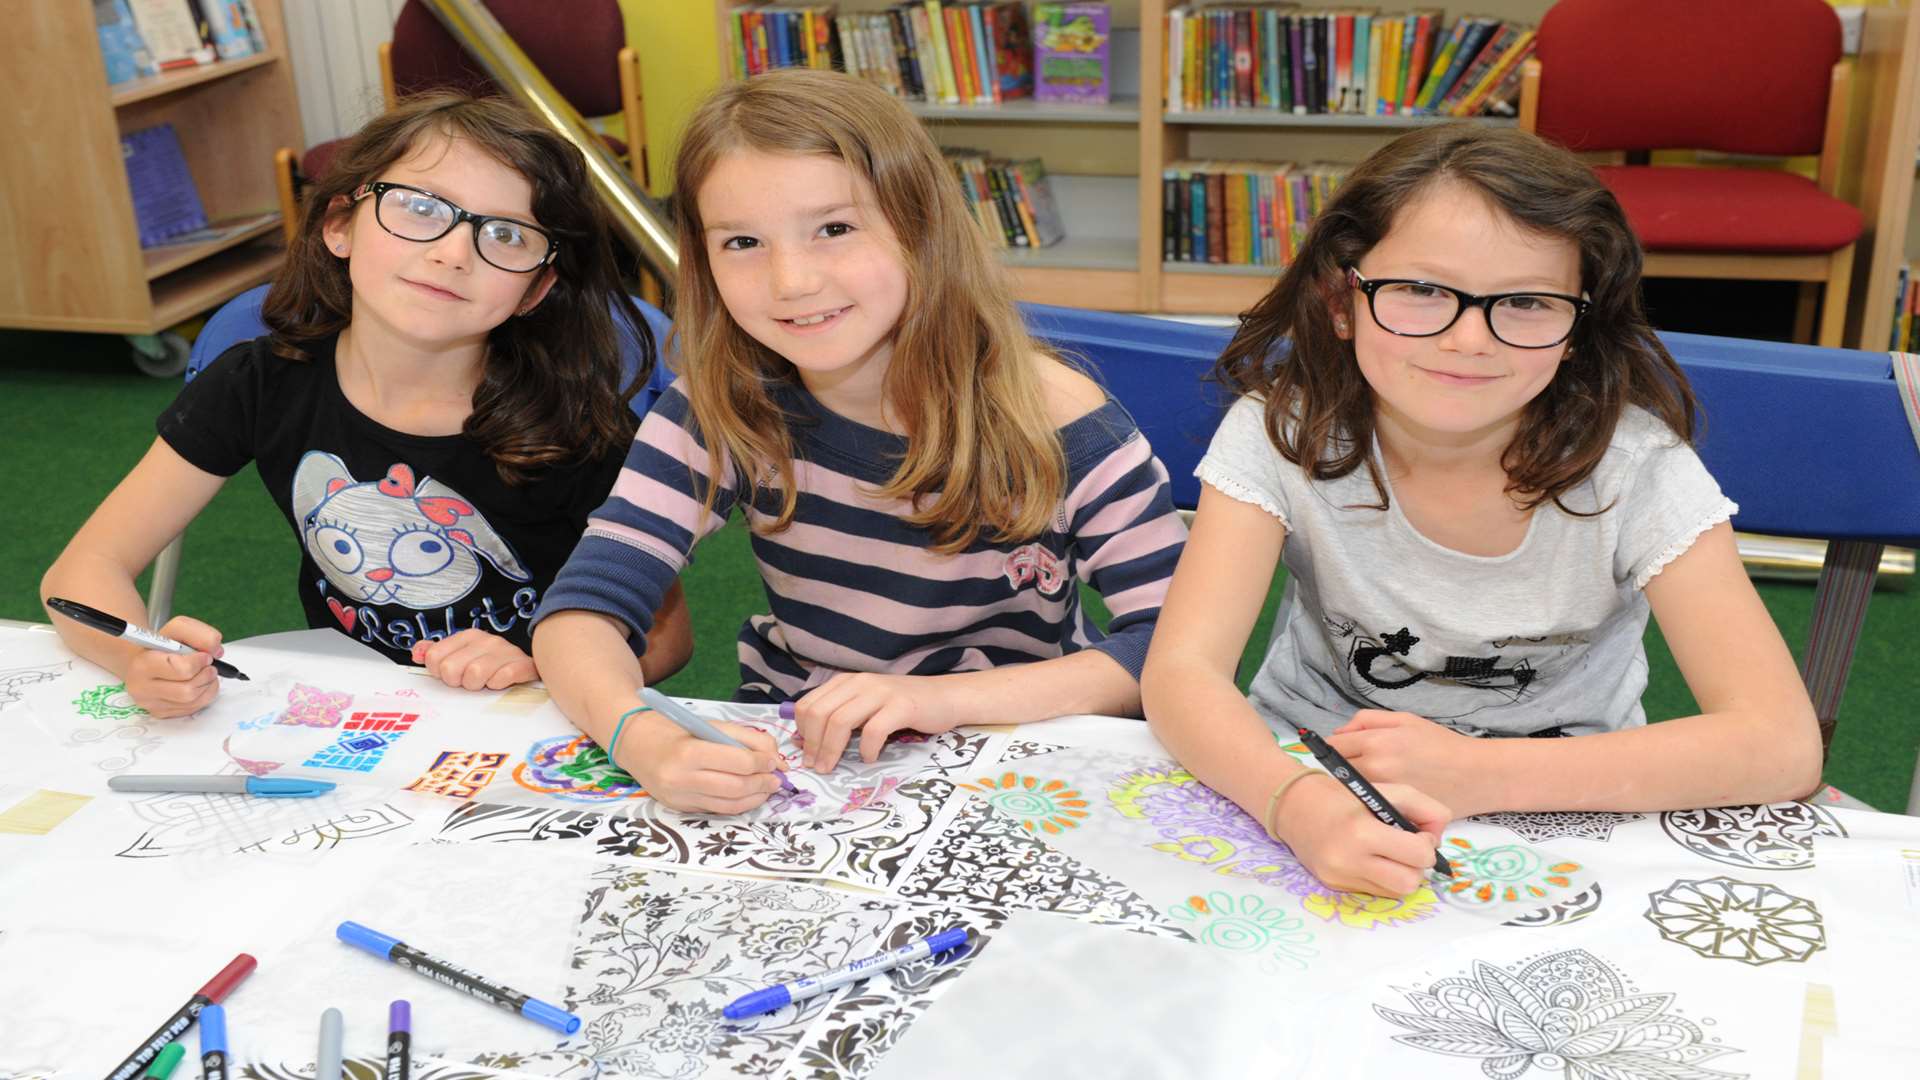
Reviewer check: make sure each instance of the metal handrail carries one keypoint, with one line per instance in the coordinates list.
(477, 31)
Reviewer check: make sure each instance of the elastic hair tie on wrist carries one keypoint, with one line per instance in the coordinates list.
(1273, 801)
(621, 726)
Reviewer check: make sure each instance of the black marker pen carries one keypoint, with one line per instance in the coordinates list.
(114, 626)
(1369, 796)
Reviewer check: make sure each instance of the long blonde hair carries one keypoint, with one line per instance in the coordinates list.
(982, 451)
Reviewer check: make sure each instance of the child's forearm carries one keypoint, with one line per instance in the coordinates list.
(588, 669)
(1088, 681)
(99, 583)
(1207, 724)
(1714, 759)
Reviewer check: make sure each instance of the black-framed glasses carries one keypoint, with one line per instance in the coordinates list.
(416, 214)
(1524, 320)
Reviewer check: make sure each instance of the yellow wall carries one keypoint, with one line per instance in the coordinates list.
(679, 47)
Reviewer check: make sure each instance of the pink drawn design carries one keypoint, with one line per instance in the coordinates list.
(1033, 562)
(310, 706)
(870, 796)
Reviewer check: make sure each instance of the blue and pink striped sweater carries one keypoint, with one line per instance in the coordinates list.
(853, 587)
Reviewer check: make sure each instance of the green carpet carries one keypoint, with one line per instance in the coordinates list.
(74, 416)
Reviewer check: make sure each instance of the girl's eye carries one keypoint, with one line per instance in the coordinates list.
(423, 207)
(505, 233)
(1525, 303)
(738, 243)
(1424, 292)
(833, 229)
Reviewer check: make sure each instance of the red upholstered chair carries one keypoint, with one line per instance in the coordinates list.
(582, 51)
(1760, 77)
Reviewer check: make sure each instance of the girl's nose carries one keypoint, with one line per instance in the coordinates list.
(794, 276)
(455, 248)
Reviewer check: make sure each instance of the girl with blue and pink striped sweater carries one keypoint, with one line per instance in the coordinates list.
(926, 485)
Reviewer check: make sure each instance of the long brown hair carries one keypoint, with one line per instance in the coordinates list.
(982, 452)
(550, 389)
(1320, 410)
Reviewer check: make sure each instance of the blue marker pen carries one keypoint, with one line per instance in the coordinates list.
(779, 997)
(459, 978)
(213, 1043)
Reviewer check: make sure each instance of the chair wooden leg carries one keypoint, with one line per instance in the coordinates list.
(1833, 310)
(283, 165)
(1806, 307)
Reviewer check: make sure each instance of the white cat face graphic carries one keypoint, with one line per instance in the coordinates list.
(391, 541)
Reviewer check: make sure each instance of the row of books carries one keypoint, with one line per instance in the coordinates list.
(1241, 213)
(1354, 61)
(1906, 305)
(978, 52)
(146, 37)
(1012, 199)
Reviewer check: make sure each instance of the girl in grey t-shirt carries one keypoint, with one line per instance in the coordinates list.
(1460, 435)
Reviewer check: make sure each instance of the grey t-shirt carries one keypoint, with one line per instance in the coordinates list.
(1545, 637)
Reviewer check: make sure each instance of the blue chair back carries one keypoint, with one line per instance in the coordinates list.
(239, 320)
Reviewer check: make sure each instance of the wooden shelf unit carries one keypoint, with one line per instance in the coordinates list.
(1084, 145)
(70, 255)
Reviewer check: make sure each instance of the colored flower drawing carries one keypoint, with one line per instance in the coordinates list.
(1569, 1013)
(459, 774)
(1504, 874)
(1048, 805)
(1723, 919)
(107, 702)
(1201, 825)
(1247, 925)
(1775, 837)
(576, 769)
(311, 706)
(1562, 825)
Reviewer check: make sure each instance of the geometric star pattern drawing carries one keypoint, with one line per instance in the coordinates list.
(1562, 825)
(1724, 919)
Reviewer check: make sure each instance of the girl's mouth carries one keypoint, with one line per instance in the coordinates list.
(815, 322)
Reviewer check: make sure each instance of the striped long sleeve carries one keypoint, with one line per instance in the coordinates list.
(852, 587)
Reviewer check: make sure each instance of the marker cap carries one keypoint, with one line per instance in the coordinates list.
(372, 941)
(168, 1060)
(558, 1019)
(213, 1029)
(400, 1016)
(221, 985)
(788, 710)
(947, 939)
(760, 1001)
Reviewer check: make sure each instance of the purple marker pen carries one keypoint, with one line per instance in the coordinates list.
(399, 1040)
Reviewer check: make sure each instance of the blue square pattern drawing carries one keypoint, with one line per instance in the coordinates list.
(362, 742)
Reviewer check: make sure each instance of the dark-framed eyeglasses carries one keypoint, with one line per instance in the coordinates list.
(416, 214)
(1524, 320)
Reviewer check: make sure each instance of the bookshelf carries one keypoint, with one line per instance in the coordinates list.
(1097, 156)
(70, 257)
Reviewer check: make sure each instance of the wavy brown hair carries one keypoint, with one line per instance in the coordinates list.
(551, 385)
(982, 451)
(1320, 410)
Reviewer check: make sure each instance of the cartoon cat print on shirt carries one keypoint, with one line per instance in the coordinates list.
(391, 541)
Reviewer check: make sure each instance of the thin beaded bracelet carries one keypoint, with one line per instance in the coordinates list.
(621, 726)
(1273, 801)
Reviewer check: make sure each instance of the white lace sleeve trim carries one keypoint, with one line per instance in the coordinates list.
(1724, 511)
(1215, 477)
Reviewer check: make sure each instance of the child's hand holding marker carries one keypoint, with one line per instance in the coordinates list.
(171, 684)
(688, 764)
(1348, 848)
(475, 660)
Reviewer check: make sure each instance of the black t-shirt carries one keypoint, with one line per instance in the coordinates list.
(402, 537)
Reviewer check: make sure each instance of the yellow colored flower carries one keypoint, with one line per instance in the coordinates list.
(1131, 788)
(1364, 911)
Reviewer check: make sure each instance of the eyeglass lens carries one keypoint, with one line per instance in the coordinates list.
(1524, 321)
(412, 215)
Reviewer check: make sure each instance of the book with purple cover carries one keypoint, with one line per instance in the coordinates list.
(1070, 57)
(165, 202)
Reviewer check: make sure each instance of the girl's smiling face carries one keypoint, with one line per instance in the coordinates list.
(1463, 385)
(807, 265)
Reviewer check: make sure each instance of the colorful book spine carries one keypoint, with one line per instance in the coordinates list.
(1071, 52)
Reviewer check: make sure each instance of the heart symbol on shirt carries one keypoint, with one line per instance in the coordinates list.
(345, 614)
